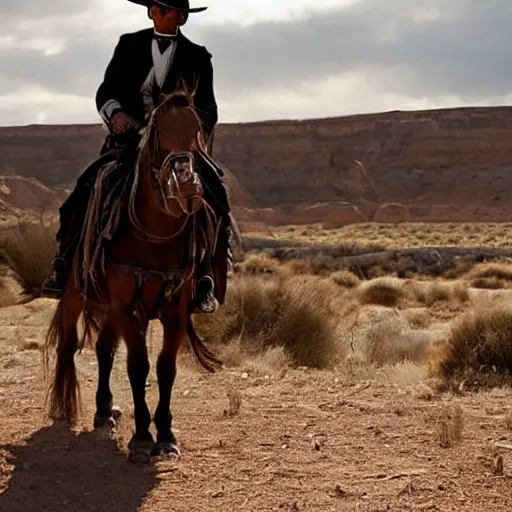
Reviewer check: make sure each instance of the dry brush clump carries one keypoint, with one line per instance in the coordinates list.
(259, 263)
(401, 235)
(29, 249)
(390, 342)
(428, 293)
(5, 294)
(382, 336)
(418, 318)
(293, 312)
(382, 291)
(450, 427)
(10, 290)
(491, 276)
(479, 349)
(346, 279)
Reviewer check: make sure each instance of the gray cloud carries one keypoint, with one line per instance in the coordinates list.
(23, 9)
(74, 71)
(409, 48)
(465, 52)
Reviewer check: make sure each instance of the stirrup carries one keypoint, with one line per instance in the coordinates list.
(208, 303)
(51, 289)
(52, 286)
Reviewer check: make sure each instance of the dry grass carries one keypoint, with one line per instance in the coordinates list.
(491, 276)
(397, 236)
(450, 427)
(479, 349)
(508, 421)
(5, 294)
(429, 293)
(388, 342)
(10, 290)
(259, 263)
(488, 283)
(492, 270)
(418, 318)
(29, 249)
(293, 312)
(382, 291)
(382, 337)
(346, 279)
(234, 403)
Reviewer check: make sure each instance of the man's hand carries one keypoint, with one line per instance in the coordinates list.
(122, 123)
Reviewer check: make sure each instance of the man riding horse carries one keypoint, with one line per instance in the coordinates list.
(147, 66)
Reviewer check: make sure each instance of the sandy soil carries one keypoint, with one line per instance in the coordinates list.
(303, 440)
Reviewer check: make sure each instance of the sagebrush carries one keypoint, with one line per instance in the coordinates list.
(293, 312)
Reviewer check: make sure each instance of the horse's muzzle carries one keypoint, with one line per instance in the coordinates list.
(179, 182)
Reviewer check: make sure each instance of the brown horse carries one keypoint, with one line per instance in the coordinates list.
(148, 272)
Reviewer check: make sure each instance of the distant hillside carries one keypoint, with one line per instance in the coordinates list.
(452, 164)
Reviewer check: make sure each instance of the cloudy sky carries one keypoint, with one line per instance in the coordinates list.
(272, 58)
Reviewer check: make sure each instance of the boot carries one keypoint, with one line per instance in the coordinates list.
(54, 285)
(205, 300)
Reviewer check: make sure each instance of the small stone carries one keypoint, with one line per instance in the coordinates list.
(284, 447)
(245, 375)
(186, 392)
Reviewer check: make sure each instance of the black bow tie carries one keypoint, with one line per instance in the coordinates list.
(163, 44)
(164, 41)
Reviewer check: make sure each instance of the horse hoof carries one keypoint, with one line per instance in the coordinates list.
(141, 451)
(168, 450)
(104, 421)
(108, 421)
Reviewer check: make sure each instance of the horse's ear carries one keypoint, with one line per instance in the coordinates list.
(201, 144)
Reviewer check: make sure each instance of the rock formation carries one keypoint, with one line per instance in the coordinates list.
(440, 165)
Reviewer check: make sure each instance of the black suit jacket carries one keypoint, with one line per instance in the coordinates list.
(131, 63)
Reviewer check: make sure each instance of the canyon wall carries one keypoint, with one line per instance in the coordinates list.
(441, 165)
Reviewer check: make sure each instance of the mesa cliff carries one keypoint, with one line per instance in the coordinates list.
(437, 165)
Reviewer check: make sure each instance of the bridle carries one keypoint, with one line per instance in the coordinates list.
(180, 166)
(175, 176)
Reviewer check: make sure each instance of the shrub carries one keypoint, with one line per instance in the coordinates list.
(390, 341)
(493, 270)
(384, 292)
(29, 250)
(346, 279)
(259, 263)
(488, 283)
(293, 312)
(479, 344)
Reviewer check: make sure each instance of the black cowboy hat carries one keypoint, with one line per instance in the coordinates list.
(179, 5)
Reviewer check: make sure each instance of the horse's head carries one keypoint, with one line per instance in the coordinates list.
(167, 151)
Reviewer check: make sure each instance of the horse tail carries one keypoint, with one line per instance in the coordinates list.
(201, 352)
(63, 398)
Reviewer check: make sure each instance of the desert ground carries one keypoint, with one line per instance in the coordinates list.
(385, 389)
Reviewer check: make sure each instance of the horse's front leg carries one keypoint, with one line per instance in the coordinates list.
(174, 333)
(106, 346)
(142, 443)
